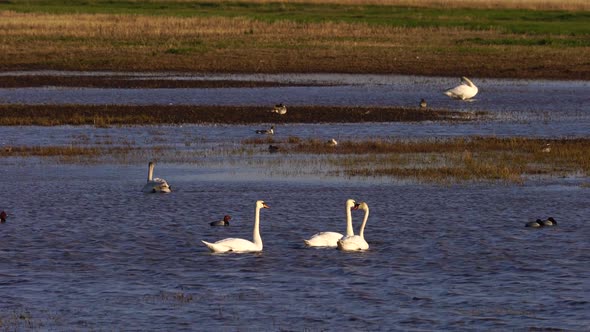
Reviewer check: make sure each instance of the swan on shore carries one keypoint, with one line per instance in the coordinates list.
(270, 131)
(155, 185)
(356, 242)
(466, 90)
(241, 245)
(224, 222)
(330, 239)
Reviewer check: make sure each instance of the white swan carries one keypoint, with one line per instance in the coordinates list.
(356, 242)
(329, 239)
(464, 91)
(155, 185)
(241, 245)
(332, 142)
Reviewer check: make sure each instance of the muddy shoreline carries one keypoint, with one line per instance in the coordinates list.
(106, 115)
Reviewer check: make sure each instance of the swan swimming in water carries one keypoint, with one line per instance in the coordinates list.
(330, 239)
(356, 242)
(241, 245)
(155, 185)
(466, 90)
(224, 222)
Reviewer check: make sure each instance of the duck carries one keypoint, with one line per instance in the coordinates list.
(224, 222)
(534, 224)
(3, 216)
(332, 142)
(270, 131)
(423, 103)
(466, 90)
(155, 185)
(273, 148)
(280, 109)
(549, 222)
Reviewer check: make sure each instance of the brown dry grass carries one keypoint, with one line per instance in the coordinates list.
(219, 44)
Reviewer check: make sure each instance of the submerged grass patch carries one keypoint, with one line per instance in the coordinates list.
(469, 159)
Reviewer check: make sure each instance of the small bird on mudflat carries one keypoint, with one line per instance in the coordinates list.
(423, 103)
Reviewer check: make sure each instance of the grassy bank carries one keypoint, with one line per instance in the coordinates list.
(108, 115)
(259, 36)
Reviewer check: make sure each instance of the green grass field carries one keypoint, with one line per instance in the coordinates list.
(504, 20)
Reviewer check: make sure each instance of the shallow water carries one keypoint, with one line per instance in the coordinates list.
(84, 249)
(517, 107)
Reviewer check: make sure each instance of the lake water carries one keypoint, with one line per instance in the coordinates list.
(84, 249)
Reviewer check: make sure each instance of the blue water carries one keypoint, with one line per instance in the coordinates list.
(84, 249)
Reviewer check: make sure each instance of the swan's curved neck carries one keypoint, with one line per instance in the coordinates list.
(256, 234)
(349, 229)
(150, 172)
(362, 231)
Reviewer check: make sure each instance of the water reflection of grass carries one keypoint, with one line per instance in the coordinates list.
(469, 159)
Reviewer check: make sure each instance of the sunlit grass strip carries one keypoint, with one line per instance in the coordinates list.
(244, 43)
(109, 115)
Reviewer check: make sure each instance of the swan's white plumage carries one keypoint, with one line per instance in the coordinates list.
(155, 185)
(356, 242)
(241, 245)
(330, 239)
(464, 91)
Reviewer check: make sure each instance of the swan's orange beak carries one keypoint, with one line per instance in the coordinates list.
(265, 206)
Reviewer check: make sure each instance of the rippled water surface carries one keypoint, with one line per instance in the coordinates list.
(84, 249)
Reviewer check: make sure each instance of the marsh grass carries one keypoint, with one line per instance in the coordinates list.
(472, 159)
(316, 37)
(450, 160)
